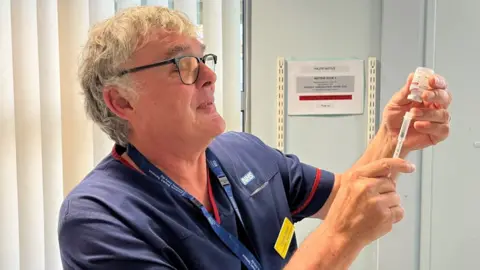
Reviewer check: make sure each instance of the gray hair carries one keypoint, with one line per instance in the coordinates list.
(110, 44)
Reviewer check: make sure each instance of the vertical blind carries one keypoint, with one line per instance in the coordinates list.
(47, 143)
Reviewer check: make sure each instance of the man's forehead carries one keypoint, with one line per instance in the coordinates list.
(176, 49)
(160, 46)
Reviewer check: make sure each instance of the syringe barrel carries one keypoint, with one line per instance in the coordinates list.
(402, 134)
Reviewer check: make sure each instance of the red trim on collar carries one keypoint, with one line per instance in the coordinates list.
(118, 156)
(212, 199)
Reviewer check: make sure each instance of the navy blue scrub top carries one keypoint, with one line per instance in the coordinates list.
(118, 218)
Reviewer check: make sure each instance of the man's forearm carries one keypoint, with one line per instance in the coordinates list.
(322, 250)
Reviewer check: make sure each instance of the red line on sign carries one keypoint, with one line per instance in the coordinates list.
(326, 97)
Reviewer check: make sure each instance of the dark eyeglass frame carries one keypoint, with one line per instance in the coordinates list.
(175, 61)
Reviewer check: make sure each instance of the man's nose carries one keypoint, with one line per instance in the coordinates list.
(206, 75)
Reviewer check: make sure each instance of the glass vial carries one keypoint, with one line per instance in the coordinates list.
(419, 83)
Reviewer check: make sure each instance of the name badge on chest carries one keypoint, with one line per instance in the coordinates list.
(284, 238)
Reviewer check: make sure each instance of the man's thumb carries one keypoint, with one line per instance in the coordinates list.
(400, 98)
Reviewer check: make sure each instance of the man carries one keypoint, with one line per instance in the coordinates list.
(178, 193)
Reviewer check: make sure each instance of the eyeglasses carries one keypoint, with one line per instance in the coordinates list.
(187, 66)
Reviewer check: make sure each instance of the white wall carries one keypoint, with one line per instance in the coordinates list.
(403, 49)
(312, 29)
(403, 35)
(453, 216)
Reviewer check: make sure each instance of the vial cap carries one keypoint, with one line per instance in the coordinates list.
(424, 70)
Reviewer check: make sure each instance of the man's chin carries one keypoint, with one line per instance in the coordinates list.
(214, 125)
(220, 125)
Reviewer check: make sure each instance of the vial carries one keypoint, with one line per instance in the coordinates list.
(419, 83)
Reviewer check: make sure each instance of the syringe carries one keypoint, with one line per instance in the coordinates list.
(403, 134)
(418, 85)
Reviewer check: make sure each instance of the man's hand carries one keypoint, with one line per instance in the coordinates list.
(364, 209)
(431, 118)
(430, 125)
(367, 204)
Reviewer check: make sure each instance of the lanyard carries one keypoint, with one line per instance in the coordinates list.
(217, 170)
(245, 256)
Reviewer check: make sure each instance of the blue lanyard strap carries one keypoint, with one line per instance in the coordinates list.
(245, 256)
(217, 170)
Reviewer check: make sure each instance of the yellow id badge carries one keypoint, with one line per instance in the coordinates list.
(284, 238)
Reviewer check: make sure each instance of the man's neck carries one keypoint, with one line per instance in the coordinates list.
(184, 165)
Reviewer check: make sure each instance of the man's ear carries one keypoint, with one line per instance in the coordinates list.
(119, 104)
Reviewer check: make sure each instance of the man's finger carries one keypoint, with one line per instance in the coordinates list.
(397, 213)
(438, 131)
(386, 185)
(441, 116)
(437, 82)
(438, 96)
(400, 98)
(390, 199)
(385, 167)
